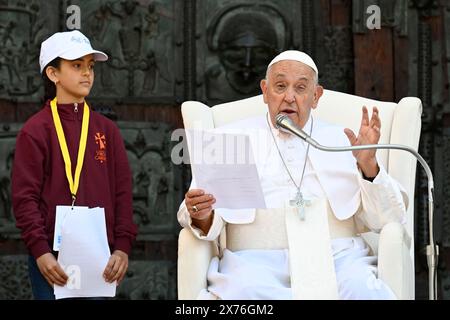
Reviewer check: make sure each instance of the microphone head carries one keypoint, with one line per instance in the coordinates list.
(286, 124)
(282, 122)
(281, 119)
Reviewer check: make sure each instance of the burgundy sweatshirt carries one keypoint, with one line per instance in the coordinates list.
(39, 181)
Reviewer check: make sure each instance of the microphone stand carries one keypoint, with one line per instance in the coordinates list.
(432, 250)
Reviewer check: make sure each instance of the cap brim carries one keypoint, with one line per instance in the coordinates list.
(72, 55)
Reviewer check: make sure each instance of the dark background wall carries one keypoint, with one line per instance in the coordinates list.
(167, 51)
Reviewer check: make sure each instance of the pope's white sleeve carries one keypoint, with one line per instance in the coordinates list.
(184, 218)
(384, 200)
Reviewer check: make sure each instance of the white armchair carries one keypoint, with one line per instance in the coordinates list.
(401, 124)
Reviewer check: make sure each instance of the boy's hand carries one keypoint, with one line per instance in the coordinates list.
(51, 270)
(117, 267)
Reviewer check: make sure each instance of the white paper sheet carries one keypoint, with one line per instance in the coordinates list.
(84, 253)
(226, 170)
(61, 212)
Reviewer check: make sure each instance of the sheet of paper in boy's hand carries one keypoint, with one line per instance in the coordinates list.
(223, 165)
(61, 213)
(84, 254)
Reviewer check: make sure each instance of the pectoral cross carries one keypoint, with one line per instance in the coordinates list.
(300, 203)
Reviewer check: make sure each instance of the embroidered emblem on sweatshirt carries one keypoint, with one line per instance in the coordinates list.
(100, 140)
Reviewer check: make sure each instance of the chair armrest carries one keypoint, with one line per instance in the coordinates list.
(395, 266)
(194, 256)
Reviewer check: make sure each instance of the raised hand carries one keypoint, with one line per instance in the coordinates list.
(369, 133)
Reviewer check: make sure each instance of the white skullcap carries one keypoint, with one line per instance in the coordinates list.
(295, 56)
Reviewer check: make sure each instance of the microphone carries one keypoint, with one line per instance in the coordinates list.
(283, 121)
(432, 250)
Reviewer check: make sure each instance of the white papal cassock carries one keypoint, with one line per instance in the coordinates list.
(349, 205)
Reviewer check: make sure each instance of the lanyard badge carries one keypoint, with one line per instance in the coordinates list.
(73, 181)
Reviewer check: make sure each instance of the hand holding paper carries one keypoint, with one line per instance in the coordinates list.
(84, 253)
(228, 173)
(51, 270)
(116, 268)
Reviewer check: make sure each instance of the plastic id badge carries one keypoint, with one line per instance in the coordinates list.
(61, 213)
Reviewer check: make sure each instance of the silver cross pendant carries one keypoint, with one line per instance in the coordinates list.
(300, 203)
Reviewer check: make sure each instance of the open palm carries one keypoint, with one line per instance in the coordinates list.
(369, 133)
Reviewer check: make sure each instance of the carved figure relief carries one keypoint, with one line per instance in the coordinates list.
(129, 32)
(155, 195)
(244, 38)
(22, 29)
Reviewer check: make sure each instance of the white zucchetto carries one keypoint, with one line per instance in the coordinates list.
(295, 55)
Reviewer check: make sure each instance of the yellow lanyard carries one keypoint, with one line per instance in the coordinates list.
(73, 183)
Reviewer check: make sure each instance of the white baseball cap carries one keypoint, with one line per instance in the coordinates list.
(296, 56)
(69, 45)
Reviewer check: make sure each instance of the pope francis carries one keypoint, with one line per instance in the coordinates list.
(308, 243)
